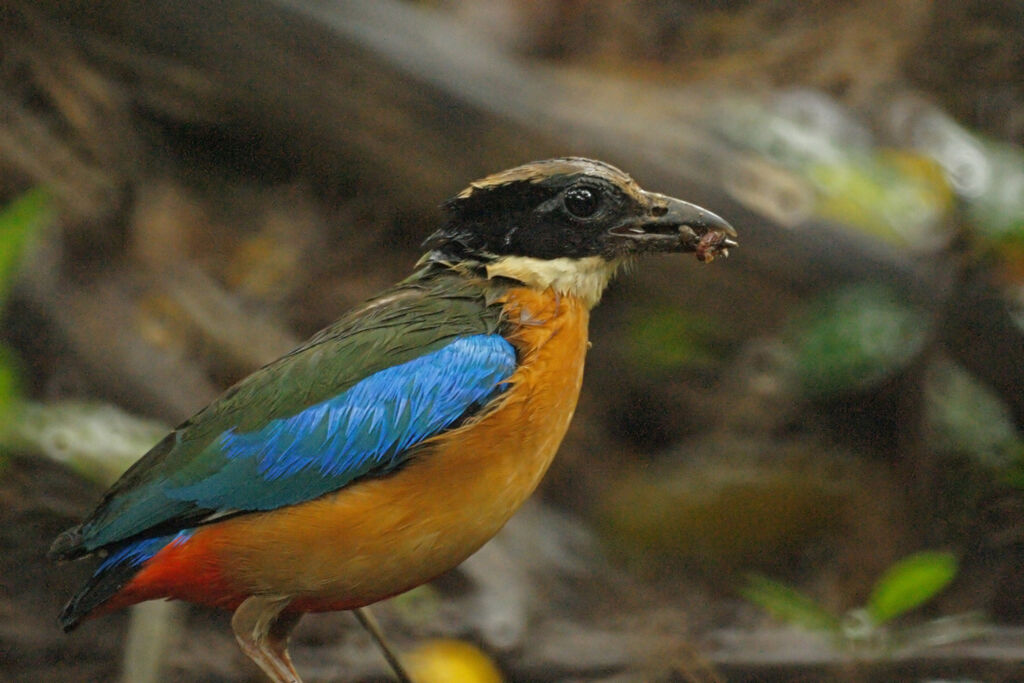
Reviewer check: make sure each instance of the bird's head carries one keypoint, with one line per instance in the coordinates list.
(569, 224)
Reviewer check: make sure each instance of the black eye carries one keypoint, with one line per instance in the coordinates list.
(582, 202)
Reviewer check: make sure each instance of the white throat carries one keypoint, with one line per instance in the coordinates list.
(584, 278)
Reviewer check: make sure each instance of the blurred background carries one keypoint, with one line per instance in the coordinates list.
(802, 463)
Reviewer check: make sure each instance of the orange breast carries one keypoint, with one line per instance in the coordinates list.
(383, 536)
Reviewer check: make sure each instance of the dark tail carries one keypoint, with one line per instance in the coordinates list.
(121, 562)
(107, 582)
(68, 546)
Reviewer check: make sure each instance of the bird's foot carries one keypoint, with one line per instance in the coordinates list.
(262, 629)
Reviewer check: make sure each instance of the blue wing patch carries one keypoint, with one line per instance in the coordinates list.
(367, 428)
(136, 553)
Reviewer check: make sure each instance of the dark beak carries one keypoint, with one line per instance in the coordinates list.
(672, 225)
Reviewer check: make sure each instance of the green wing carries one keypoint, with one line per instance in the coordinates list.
(423, 315)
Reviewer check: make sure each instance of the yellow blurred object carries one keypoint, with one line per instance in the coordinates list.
(450, 661)
(263, 266)
(162, 322)
(892, 194)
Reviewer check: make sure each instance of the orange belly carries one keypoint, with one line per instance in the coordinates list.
(380, 537)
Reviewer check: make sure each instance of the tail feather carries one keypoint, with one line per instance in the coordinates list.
(120, 565)
(97, 591)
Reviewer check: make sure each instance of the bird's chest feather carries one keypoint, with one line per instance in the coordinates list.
(501, 457)
(382, 536)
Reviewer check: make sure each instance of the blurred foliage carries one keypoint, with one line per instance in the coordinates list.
(854, 338)
(898, 196)
(896, 179)
(965, 417)
(910, 583)
(906, 585)
(893, 195)
(20, 221)
(446, 661)
(988, 178)
(98, 441)
(789, 605)
(664, 339)
(987, 175)
(901, 195)
(9, 385)
(1015, 477)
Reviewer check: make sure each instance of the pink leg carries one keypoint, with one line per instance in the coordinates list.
(262, 631)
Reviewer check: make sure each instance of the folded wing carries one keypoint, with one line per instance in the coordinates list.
(353, 402)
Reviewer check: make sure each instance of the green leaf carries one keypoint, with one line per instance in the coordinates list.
(854, 339)
(19, 221)
(9, 385)
(966, 417)
(788, 604)
(910, 583)
(667, 340)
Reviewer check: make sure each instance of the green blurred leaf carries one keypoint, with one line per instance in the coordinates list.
(966, 417)
(997, 206)
(9, 385)
(910, 583)
(788, 604)
(19, 221)
(666, 339)
(853, 339)
(1015, 477)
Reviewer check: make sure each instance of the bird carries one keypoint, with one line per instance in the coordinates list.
(391, 445)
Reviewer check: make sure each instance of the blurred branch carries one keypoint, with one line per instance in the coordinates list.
(244, 340)
(152, 632)
(96, 440)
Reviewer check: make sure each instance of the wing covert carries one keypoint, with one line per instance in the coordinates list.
(364, 430)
